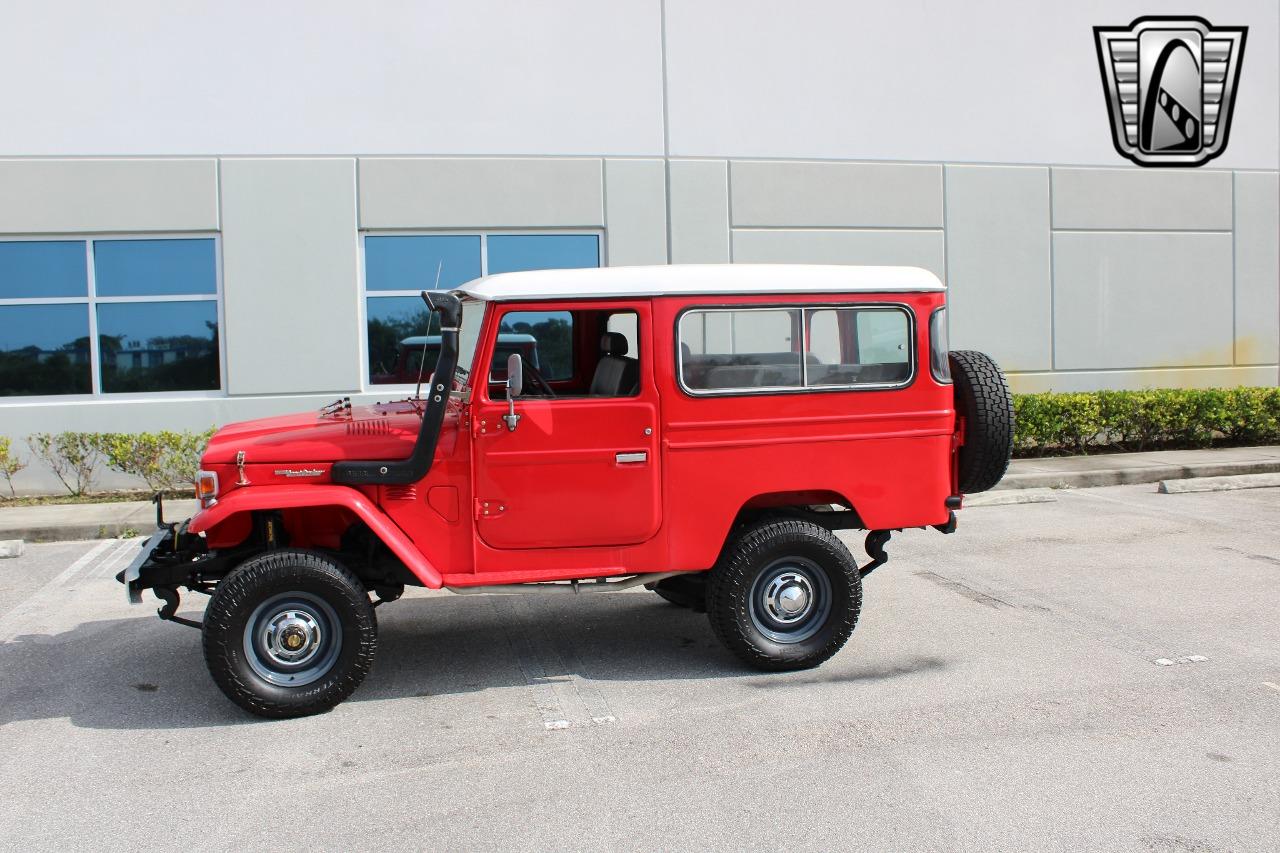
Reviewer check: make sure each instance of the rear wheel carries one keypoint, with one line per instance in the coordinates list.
(289, 633)
(785, 595)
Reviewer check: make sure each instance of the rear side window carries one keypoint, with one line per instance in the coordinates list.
(752, 350)
(858, 346)
(757, 350)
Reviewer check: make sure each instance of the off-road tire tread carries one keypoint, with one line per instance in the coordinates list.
(237, 595)
(983, 400)
(729, 590)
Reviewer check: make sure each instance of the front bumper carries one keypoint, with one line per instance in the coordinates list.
(133, 572)
(171, 557)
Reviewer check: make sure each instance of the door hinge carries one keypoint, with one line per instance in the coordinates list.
(489, 509)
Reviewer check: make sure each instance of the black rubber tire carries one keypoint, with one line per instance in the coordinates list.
(688, 591)
(751, 552)
(983, 400)
(272, 573)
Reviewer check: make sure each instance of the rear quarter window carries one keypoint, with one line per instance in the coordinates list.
(786, 349)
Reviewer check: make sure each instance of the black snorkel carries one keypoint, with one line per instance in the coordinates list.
(399, 472)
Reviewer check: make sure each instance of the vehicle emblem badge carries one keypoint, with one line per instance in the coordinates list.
(243, 481)
(1170, 84)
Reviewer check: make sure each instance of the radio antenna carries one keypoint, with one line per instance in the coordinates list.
(422, 361)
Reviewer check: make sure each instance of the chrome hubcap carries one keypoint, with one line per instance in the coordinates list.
(292, 637)
(788, 597)
(790, 600)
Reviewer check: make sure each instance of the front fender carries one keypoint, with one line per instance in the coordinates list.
(290, 497)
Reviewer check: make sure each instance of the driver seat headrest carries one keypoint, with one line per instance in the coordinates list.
(613, 343)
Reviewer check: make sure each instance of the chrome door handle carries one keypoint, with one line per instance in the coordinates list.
(642, 456)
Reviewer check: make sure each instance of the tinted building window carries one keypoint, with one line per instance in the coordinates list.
(403, 338)
(44, 349)
(518, 252)
(154, 267)
(158, 346)
(155, 303)
(42, 270)
(411, 263)
(400, 331)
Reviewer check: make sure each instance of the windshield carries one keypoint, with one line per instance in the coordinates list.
(468, 336)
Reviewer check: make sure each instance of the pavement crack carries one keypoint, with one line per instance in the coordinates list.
(968, 592)
(1261, 558)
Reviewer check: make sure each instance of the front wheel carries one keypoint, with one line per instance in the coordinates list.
(785, 595)
(289, 633)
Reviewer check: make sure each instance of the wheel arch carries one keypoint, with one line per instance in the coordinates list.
(234, 513)
(816, 505)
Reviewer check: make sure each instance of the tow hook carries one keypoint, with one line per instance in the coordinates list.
(169, 612)
(876, 540)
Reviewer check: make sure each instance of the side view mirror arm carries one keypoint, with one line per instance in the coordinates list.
(515, 384)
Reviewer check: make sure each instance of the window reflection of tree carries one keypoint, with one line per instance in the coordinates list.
(386, 333)
(555, 343)
(166, 363)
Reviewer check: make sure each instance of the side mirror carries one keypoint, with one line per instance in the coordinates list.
(515, 376)
(515, 384)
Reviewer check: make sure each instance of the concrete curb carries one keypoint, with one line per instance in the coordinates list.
(74, 532)
(1102, 476)
(1219, 484)
(68, 522)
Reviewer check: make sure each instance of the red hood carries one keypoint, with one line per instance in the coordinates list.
(381, 431)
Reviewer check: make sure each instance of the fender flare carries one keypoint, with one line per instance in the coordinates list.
(292, 497)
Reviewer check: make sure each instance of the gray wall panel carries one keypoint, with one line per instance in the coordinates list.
(424, 192)
(1000, 294)
(699, 211)
(69, 196)
(635, 211)
(798, 246)
(1136, 380)
(842, 195)
(1257, 234)
(1142, 300)
(290, 276)
(1119, 199)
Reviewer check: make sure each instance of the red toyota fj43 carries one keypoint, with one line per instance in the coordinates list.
(698, 430)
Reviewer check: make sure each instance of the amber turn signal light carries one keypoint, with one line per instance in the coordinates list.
(207, 488)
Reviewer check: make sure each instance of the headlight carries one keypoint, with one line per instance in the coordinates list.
(207, 488)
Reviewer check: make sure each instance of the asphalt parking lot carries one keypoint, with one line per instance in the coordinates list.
(1099, 673)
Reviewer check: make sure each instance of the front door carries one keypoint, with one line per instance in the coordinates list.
(581, 467)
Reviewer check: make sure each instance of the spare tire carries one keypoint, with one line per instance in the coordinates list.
(984, 401)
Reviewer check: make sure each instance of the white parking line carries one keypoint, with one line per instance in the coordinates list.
(31, 616)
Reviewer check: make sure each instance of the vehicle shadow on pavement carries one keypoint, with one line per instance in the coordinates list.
(141, 673)
(137, 673)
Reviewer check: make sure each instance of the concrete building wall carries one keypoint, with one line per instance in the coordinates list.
(991, 81)
(685, 133)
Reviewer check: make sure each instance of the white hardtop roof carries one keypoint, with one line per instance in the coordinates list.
(684, 279)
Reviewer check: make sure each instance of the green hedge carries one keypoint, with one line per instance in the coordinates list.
(1165, 418)
(165, 461)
